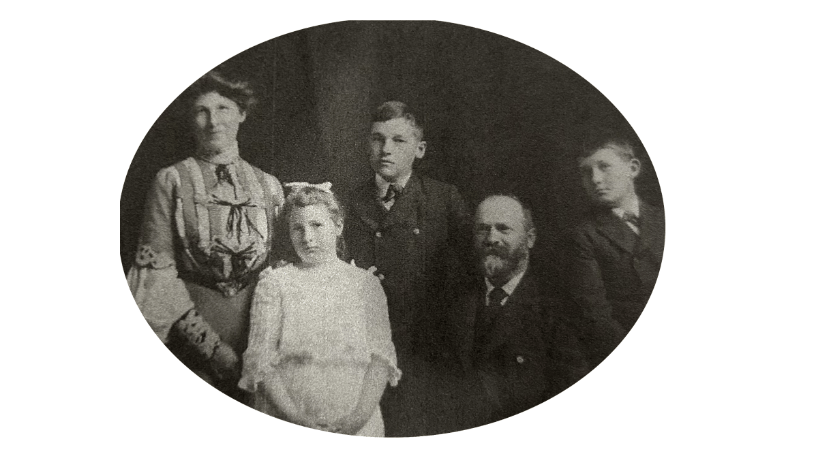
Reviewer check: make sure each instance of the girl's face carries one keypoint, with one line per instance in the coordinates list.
(314, 234)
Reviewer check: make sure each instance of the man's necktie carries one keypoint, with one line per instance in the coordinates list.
(392, 193)
(496, 298)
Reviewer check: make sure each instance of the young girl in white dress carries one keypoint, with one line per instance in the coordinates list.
(320, 350)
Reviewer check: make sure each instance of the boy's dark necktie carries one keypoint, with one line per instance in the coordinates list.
(392, 193)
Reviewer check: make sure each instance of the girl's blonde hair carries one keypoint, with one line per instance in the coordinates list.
(306, 195)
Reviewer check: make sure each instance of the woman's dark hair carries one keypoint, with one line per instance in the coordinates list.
(239, 91)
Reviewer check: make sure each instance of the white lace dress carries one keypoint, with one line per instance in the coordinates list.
(319, 327)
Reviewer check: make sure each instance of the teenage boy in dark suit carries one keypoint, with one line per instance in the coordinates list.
(415, 231)
(616, 252)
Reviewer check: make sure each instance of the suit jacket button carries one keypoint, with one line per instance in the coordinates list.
(416, 231)
(378, 234)
(519, 359)
(381, 276)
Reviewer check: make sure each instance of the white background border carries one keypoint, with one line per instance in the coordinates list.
(724, 363)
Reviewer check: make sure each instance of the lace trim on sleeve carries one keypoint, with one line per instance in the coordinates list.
(395, 374)
(148, 258)
(378, 328)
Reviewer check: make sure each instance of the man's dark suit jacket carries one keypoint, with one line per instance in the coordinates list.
(520, 358)
(611, 272)
(419, 248)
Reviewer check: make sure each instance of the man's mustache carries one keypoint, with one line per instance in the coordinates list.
(494, 251)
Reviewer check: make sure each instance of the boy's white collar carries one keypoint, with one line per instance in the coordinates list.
(383, 185)
(632, 206)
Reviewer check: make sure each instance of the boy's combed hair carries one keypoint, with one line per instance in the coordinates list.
(239, 91)
(305, 196)
(398, 110)
(601, 139)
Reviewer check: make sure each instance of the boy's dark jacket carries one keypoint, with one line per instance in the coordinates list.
(610, 273)
(420, 249)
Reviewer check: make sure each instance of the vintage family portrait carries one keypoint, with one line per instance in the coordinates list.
(394, 229)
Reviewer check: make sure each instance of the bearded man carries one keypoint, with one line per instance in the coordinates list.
(513, 339)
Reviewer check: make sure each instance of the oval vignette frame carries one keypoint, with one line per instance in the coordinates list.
(488, 113)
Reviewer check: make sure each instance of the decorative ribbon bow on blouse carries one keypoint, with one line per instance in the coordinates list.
(237, 216)
(241, 260)
(224, 174)
(241, 263)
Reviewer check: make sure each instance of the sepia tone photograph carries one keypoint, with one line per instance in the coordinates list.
(391, 228)
(329, 224)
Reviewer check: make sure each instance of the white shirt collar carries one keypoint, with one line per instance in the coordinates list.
(383, 185)
(634, 207)
(509, 287)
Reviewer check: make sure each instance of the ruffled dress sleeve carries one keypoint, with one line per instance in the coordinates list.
(265, 322)
(378, 331)
(160, 294)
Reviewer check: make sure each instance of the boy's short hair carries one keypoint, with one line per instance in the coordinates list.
(602, 139)
(398, 110)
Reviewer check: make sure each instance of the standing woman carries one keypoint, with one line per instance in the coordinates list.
(207, 233)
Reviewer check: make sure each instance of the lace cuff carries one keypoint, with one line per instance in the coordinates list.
(148, 258)
(198, 333)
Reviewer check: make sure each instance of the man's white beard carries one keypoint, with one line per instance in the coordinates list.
(495, 266)
(504, 266)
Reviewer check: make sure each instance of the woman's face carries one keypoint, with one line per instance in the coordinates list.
(314, 234)
(217, 120)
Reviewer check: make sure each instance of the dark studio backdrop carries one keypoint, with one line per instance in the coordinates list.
(499, 116)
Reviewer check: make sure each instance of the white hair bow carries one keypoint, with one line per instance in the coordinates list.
(326, 186)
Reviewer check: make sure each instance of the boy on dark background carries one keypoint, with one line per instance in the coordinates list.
(616, 252)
